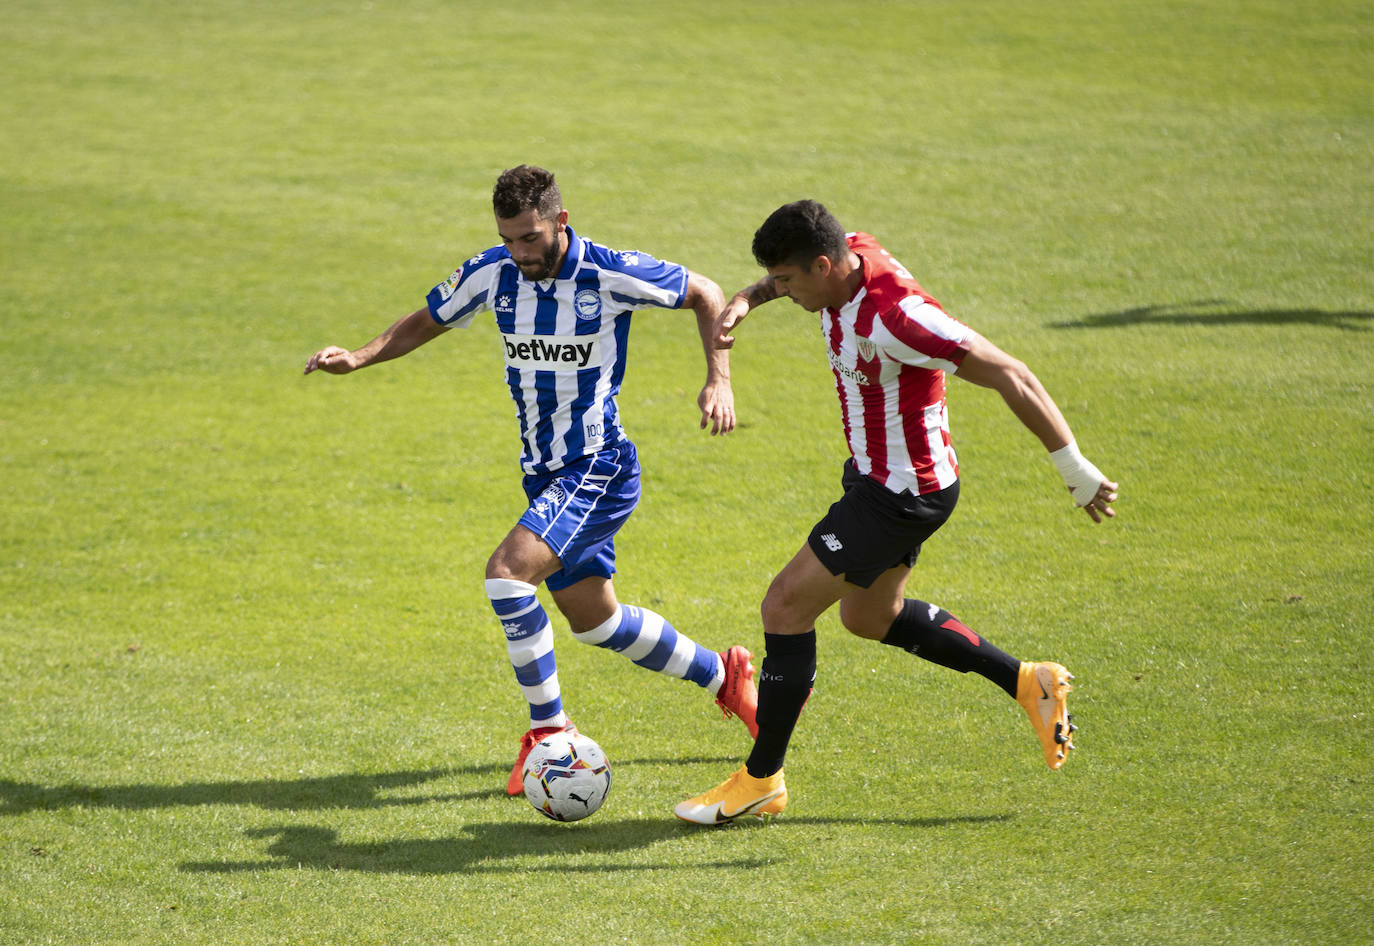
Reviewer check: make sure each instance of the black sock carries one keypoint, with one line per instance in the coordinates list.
(936, 635)
(788, 672)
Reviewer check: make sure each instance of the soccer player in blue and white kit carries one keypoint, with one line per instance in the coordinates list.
(562, 305)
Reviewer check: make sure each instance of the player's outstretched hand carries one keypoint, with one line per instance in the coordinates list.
(1100, 505)
(732, 315)
(717, 403)
(334, 360)
(1088, 487)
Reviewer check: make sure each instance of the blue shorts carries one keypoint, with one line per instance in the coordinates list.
(578, 509)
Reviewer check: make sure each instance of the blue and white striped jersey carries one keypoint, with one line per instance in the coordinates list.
(564, 338)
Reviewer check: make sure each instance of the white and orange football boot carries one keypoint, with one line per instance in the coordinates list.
(1042, 689)
(739, 796)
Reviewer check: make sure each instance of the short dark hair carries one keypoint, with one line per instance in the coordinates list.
(526, 188)
(796, 233)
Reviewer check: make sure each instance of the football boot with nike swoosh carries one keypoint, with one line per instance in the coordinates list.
(1042, 689)
(739, 796)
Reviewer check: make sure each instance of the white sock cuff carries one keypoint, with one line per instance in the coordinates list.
(602, 631)
(501, 588)
(718, 680)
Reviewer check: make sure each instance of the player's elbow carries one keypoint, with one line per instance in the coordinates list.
(1008, 376)
(1025, 395)
(1019, 377)
(703, 289)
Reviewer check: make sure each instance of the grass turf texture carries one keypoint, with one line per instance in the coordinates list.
(252, 691)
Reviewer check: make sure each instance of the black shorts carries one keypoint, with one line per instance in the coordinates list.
(871, 529)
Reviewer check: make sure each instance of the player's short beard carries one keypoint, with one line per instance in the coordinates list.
(547, 264)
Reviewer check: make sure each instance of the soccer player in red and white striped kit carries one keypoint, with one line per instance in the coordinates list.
(890, 346)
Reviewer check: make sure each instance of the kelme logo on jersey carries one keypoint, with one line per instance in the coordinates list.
(505, 304)
(587, 304)
(552, 352)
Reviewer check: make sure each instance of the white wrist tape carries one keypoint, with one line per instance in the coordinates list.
(1082, 478)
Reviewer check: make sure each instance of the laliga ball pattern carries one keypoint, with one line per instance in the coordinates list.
(566, 776)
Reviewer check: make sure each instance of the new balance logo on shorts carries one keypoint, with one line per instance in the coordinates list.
(832, 543)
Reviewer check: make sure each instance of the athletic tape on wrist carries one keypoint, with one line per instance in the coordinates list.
(1082, 478)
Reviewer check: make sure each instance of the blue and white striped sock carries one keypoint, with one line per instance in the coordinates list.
(529, 641)
(653, 643)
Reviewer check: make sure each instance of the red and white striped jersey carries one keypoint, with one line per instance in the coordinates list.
(890, 347)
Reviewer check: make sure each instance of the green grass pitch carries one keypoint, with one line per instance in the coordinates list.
(250, 689)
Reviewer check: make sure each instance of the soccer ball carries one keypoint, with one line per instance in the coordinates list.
(566, 776)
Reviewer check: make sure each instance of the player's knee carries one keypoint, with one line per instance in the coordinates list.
(771, 609)
(503, 565)
(497, 567)
(511, 562)
(781, 611)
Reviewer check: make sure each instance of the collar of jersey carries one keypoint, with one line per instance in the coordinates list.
(858, 293)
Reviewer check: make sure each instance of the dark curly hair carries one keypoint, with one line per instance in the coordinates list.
(526, 188)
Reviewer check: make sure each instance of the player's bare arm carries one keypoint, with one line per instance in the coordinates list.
(717, 398)
(403, 337)
(750, 297)
(990, 367)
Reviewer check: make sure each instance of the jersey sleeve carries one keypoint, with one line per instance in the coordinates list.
(638, 280)
(920, 333)
(456, 300)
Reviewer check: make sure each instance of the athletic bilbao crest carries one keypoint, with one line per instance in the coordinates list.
(867, 350)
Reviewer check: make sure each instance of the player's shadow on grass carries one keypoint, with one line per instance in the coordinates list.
(304, 794)
(505, 847)
(330, 791)
(1218, 312)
